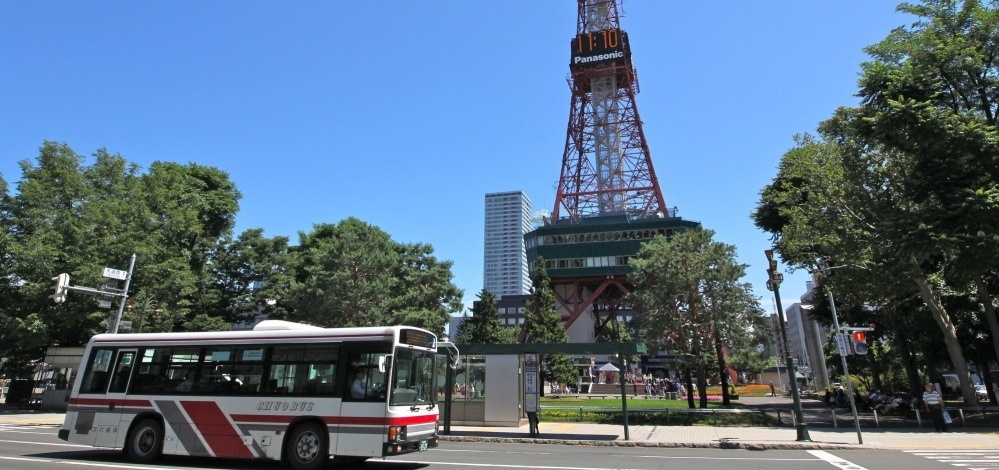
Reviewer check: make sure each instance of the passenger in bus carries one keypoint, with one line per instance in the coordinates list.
(188, 382)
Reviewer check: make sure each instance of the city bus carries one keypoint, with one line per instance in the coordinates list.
(283, 391)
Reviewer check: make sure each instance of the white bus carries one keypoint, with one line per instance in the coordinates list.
(283, 391)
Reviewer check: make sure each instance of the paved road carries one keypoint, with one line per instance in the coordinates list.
(32, 447)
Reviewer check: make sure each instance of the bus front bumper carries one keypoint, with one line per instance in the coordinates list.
(398, 448)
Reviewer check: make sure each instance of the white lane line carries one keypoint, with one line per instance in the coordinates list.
(664, 457)
(48, 444)
(497, 465)
(489, 451)
(836, 461)
(82, 464)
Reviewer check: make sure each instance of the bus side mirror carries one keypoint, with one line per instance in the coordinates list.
(382, 361)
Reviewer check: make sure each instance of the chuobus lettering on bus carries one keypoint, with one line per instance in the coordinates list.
(285, 406)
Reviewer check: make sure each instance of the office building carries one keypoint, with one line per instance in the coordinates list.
(508, 218)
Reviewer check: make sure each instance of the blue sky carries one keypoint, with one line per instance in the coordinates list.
(405, 114)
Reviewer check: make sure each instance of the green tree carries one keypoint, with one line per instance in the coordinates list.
(203, 322)
(244, 275)
(344, 275)
(483, 327)
(692, 303)
(67, 216)
(353, 274)
(424, 295)
(189, 210)
(543, 324)
(931, 93)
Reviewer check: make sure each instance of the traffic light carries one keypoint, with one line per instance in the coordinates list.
(61, 288)
(859, 342)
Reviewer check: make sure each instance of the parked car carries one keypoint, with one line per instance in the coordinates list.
(983, 394)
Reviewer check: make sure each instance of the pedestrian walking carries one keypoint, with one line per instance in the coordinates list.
(933, 404)
(773, 390)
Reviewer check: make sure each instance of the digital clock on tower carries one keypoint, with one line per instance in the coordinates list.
(598, 47)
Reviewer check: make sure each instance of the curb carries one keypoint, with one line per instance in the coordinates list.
(725, 444)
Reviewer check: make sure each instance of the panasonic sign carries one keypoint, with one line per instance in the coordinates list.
(597, 58)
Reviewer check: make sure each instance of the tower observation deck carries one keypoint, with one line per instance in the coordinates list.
(608, 200)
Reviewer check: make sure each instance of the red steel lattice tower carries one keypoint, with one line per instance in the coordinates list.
(606, 167)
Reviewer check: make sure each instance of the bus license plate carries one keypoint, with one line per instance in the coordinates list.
(423, 446)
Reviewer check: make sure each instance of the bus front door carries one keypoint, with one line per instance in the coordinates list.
(109, 430)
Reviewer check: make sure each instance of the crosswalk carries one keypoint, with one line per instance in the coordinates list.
(980, 459)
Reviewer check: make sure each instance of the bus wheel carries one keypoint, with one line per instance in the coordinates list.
(308, 447)
(145, 441)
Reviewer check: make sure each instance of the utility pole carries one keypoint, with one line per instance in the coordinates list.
(113, 328)
(62, 288)
(773, 284)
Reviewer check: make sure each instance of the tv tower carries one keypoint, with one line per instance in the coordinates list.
(608, 201)
(606, 167)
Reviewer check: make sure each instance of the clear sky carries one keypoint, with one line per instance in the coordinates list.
(405, 114)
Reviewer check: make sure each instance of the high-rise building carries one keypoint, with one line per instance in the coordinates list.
(508, 218)
(806, 338)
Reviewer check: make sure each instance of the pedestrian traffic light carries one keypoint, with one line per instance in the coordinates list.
(859, 342)
(61, 288)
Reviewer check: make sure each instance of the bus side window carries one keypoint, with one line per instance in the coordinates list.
(123, 372)
(95, 379)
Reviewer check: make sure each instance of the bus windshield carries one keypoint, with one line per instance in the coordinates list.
(413, 381)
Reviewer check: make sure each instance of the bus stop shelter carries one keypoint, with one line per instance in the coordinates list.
(622, 350)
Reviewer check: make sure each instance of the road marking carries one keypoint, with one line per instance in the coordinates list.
(836, 461)
(973, 459)
(489, 451)
(26, 429)
(47, 444)
(498, 465)
(71, 462)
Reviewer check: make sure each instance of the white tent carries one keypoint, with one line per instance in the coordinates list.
(608, 367)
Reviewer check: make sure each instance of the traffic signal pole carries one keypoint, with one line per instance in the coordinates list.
(113, 327)
(846, 370)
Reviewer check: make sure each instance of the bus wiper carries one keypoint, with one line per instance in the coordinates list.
(431, 406)
(414, 408)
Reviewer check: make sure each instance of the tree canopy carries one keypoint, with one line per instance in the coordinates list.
(899, 194)
(74, 214)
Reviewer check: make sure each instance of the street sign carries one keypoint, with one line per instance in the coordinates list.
(531, 383)
(125, 325)
(114, 274)
(842, 344)
(104, 304)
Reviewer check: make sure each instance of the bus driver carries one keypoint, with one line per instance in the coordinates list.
(359, 388)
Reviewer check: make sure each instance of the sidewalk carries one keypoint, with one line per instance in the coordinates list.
(731, 437)
(725, 437)
(754, 438)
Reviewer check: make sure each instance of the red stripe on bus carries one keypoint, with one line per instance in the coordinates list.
(108, 401)
(217, 431)
(339, 420)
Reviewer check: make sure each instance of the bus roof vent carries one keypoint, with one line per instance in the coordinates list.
(270, 325)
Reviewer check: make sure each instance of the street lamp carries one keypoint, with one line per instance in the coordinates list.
(773, 284)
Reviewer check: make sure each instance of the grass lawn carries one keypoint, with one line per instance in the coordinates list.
(652, 412)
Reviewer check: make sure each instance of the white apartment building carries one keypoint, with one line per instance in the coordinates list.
(508, 218)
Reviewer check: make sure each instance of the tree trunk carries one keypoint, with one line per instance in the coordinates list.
(949, 332)
(690, 387)
(720, 353)
(905, 355)
(702, 383)
(985, 297)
